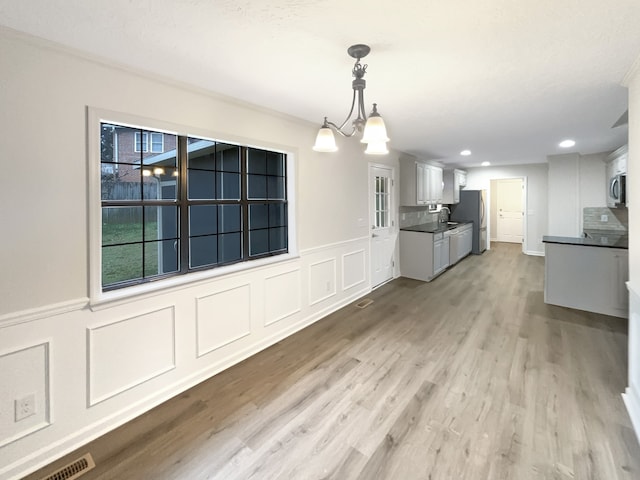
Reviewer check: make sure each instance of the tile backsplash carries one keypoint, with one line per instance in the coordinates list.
(410, 216)
(603, 218)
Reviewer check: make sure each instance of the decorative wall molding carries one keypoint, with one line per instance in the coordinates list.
(322, 280)
(129, 352)
(281, 296)
(350, 261)
(33, 364)
(329, 246)
(230, 324)
(32, 314)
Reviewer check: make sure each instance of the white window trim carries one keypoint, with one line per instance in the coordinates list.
(98, 298)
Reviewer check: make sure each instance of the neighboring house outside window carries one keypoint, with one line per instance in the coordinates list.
(148, 142)
(197, 205)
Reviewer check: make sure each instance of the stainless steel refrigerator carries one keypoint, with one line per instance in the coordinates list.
(473, 207)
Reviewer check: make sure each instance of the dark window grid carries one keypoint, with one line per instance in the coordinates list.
(270, 251)
(266, 176)
(183, 203)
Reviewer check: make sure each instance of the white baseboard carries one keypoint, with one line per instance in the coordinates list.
(632, 402)
(534, 253)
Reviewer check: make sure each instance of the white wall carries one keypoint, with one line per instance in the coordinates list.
(536, 180)
(52, 344)
(632, 395)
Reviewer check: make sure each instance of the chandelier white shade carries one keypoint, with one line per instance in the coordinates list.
(373, 130)
(325, 141)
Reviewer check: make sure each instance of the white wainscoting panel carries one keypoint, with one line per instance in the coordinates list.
(222, 318)
(632, 393)
(23, 373)
(282, 296)
(354, 271)
(129, 352)
(322, 280)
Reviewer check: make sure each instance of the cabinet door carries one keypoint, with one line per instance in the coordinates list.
(461, 178)
(436, 185)
(421, 184)
(437, 256)
(467, 241)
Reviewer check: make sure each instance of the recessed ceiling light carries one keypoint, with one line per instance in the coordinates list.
(465, 153)
(485, 164)
(567, 143)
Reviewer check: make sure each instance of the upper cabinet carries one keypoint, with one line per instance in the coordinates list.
(420, 184)
(453, 181)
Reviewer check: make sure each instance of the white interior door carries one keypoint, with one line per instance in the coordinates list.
(510, 210)
(382, 223)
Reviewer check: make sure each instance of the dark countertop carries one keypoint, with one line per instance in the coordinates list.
(434, 227)
(594, 238)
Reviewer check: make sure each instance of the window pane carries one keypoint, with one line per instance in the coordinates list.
(230, 247)
(160, 223)
(115, 184)
(201, 184)
(258, 216)
(168, 184)
(108, 143)
(275, 187)
(277, 215)
(229, 218)
(203, 220)
(228, 158)
(257, 162)
(275, 164)
(257, 187)
(277, 238)
(201, 154)
(121, 225)
(203, 251)
(228, 186)
(168, 256)
(121, 263)
(258, 242)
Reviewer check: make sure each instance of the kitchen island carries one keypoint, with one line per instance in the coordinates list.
(588, 273)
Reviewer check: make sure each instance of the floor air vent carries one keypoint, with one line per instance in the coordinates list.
(74, 469)
(364, 303)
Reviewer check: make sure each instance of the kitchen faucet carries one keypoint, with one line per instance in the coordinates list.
(444, 218)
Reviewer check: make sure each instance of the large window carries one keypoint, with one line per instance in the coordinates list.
(200, 204)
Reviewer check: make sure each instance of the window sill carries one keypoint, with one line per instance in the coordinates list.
(139, 292)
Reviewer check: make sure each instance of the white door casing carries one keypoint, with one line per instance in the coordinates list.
(510, 210)
(382, 224)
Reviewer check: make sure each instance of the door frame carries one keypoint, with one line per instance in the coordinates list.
(393, 212)
(493, 214)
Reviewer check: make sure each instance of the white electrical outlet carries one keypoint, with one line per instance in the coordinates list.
(25, 406)
(604, 217)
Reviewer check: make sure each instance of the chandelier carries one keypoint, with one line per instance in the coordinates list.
(374, 133)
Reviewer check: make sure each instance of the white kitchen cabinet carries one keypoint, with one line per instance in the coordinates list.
(587, 278)
(420, 184)
(453, 181)
(434, 196)
(440, 253)
(423, 256)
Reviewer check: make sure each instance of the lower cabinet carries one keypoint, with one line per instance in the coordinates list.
(423, 256)
(587, 278)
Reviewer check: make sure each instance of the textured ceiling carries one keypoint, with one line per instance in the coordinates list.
(506, 79)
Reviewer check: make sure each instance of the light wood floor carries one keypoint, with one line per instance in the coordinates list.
(468, 377)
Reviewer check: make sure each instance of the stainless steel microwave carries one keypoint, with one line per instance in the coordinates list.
(617, 194)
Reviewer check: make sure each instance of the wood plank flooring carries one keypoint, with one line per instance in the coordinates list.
(468, 377)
